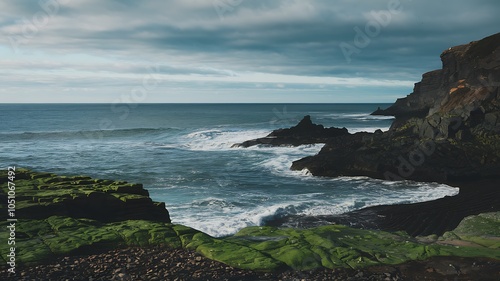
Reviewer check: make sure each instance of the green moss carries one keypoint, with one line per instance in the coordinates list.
(186, 235)
(238, 255)
(32, 251)
(256, 248)
(487, 224)
(129, 197)
(482, 230)
(165, 235)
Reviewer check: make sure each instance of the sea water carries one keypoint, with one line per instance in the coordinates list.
(182, 154)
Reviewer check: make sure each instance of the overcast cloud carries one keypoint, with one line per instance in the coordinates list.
(229, 50)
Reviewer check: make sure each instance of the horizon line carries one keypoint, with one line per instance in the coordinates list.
(149, 103)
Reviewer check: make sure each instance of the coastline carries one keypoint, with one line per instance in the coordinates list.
(417, 219)
(60, 245)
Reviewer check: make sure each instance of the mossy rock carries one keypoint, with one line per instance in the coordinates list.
(39, 240)
(41, 195)
(482, 230)
(258, 248)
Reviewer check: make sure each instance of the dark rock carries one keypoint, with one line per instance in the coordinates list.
(440, 131)
(446, 131)
(424, 96)
(305, 132)
(425, 218)
(42, 195)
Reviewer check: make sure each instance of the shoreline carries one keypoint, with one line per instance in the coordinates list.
(53, 240)
(423, 218)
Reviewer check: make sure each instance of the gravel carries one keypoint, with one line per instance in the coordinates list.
(161, 263)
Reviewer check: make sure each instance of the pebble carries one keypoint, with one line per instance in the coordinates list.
(161, 263)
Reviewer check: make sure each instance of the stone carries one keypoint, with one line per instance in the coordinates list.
(46, 195)
(305, 132)
(457, 128)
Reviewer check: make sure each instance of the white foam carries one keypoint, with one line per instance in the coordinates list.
(329, 209)
(367, 129)
(218, 217)
(217, 139)
(358, 116)
(280, 162)
(219, 226)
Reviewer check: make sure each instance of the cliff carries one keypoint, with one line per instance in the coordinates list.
(460, 97)
(447, 130)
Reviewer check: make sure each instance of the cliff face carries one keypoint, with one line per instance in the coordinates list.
(462, 97)
(447, 130)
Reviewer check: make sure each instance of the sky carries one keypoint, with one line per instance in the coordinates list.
(229, 51)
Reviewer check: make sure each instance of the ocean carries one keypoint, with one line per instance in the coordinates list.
(182, 154)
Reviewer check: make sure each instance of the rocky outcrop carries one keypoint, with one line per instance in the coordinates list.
(469, 77)
(42, 195)
(447, 130)
(306, 132)
(424, 96)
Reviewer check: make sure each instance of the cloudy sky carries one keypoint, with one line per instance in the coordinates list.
(229, 50)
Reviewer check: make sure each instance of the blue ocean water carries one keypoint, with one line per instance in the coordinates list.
(182, 154)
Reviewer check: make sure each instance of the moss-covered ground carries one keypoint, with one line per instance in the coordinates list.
(258, 248)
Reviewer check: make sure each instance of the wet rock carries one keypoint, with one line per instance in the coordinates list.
(305, 132)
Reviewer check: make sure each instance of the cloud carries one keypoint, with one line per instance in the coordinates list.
(228, 41)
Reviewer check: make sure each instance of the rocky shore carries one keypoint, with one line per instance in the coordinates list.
(63, 245)
(418, 219)
(446, 131)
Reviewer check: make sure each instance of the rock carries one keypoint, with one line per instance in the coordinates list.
(305, 132)
(446, 131)
(45, 195)
(440, 131)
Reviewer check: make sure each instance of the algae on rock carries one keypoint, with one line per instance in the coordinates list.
(257, 248)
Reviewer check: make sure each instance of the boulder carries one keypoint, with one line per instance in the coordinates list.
(42, 195)
(305, 132)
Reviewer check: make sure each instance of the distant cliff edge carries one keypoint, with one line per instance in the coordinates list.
(447, 130)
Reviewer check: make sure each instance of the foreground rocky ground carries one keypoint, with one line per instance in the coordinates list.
(162, 263)
(54, 242)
